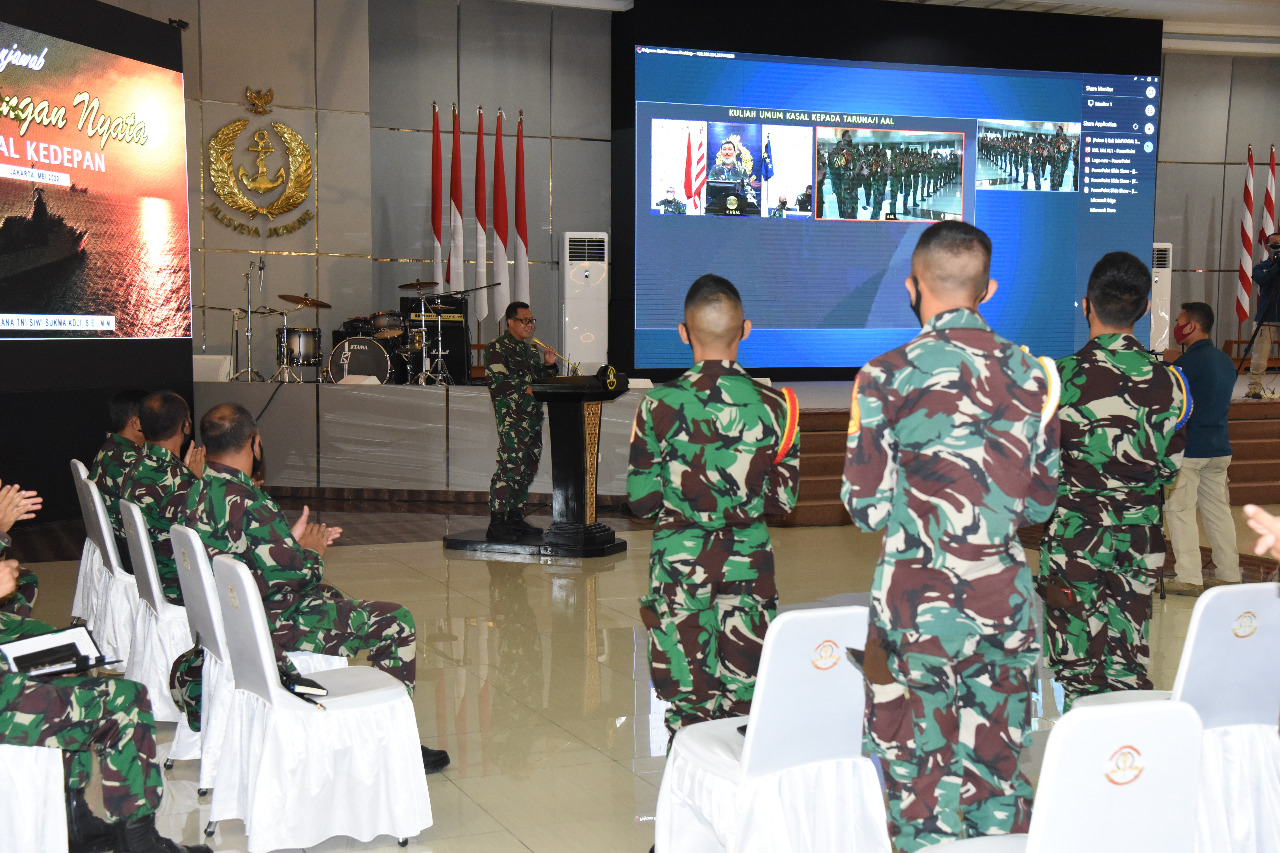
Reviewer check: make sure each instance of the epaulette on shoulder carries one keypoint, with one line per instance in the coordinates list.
(1188, 404)
(1053, 382)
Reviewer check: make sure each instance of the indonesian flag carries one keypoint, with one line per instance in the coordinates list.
(520, 277)
(695, 169)
(1269, 205)
(453, 271)
(436, 174)
(501, 273)
(481, 302)
(1244, 284)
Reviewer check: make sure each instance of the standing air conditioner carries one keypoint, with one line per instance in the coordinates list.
(584, 293)
(1161, 280)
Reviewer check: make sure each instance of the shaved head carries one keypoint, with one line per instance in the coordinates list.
(713, 312)
(953, 260)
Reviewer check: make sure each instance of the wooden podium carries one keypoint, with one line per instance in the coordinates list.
(573, 408)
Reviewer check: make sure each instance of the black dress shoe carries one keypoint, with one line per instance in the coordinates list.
(434, 760)
(517, 524)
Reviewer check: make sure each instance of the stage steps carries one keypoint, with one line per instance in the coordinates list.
(822, 444)
(1254, 427)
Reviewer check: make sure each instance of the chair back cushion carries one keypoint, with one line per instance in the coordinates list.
(1230, 667)
(809, 697)
(1119, 778)
(248, 641)
(142, 555)
(199, 593)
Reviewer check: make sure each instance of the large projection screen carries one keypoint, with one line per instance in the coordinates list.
(806, 174)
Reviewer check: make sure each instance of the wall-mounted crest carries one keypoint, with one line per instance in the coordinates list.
(241, 188)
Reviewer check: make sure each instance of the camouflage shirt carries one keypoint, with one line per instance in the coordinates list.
(511, 366)
(166, 491)
(108, 470)
(704, 451)
(1120, 444)
(238, 518)
(952, 446)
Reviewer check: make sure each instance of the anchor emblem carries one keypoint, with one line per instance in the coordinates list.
(260, 183)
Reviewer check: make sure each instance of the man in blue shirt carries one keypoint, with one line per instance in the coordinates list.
(1266, 276)
(1202, 479)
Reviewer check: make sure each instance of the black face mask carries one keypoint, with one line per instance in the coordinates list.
(915, 301)
(258, 468)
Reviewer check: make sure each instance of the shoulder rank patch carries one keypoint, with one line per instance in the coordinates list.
(1188, 405)
(792, 425)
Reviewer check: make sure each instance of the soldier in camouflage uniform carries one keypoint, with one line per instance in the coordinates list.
(116, 458)
(1121, 409)
(670, 205)
(84, 716)
(711, 454)
(234, 516)
(512, 365)
(953, 445)
(164, 482)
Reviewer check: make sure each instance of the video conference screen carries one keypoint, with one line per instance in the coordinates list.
(93, 193)
(807, 182)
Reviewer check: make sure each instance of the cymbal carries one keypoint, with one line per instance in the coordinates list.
(383, 334)
(304, 301)
(418, 285)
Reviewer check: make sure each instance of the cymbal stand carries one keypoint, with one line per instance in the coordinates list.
(285, 355)
(249, 372)
(439, 371)
(422, 324)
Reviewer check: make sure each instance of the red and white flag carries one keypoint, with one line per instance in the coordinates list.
(436, 188)
(501, 273)
(1269, 205)
(480, 305)
(454, 279)
(1244, 275)
(520, 276)
(695, 169)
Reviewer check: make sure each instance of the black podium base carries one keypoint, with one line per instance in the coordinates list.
(566, 540)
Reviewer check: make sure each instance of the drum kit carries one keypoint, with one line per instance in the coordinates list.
(385, 345)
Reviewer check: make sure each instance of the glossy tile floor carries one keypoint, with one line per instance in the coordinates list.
(533, 676)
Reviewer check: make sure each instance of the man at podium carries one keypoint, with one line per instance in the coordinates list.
(512, 366)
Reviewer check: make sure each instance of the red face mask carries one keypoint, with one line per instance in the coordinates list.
(1181, 331)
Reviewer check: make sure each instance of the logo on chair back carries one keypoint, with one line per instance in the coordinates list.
(1123, 766)
(826, 655)
(186, 562)
(231, 590)
(1246, 624)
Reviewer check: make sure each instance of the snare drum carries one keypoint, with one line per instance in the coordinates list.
(297, 347)
(387, 324)
(419, 337)
(366, 357)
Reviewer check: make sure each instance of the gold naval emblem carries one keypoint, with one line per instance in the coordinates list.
(223, 174)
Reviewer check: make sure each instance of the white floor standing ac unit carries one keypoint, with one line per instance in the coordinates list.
(584, 292)
(1162, 313)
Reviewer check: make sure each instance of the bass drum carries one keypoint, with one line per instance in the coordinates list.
(366, 357)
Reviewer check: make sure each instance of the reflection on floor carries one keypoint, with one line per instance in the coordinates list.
(534, 677)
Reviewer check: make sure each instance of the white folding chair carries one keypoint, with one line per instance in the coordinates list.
(113, 596)
(204, 617)
(160, 631)
(94, 574)
(798, 781)
(1115, 779)
(297, 773)
(1230, 673)
(32, 799)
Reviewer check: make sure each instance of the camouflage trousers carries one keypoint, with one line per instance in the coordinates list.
(330, 624)
(1100, 644)
(519, 451)
(712, 597)
(951, 728)
(82, 716)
